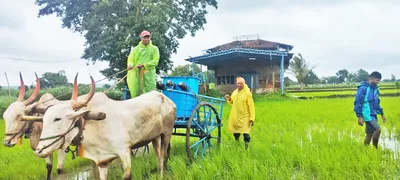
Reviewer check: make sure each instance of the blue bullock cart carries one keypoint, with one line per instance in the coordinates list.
(198, 117)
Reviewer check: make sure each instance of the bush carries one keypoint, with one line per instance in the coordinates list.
(5, 101)
(346, 96)
(213, 93)
(61, 93)
(275, 96)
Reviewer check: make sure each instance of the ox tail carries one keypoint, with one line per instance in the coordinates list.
(168, 150)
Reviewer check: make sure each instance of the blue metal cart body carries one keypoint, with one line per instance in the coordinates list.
(198, 117)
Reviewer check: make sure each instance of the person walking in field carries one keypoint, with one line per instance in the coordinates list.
(242, 114)
(367, 107)
(142, 62)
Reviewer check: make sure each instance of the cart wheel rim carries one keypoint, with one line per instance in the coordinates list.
(203, 132)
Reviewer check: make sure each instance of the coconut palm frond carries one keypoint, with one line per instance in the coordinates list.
(299, 68)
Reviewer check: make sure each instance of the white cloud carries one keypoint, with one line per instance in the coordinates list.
(335, 35)
(349, 35)
(40, 39)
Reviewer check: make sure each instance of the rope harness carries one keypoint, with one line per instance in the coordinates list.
(14, 134)
(77, 123)
(77, 140)
(141, 75)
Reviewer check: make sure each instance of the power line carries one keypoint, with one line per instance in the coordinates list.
(30, 60)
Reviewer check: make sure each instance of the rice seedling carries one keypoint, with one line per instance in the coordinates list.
(291, 139)
(329, 93)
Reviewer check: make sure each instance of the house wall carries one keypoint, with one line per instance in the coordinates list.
(264, 68)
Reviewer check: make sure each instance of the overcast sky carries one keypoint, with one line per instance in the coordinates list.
(333, 35)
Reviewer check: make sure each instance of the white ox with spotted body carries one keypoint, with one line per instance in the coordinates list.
(128, 124)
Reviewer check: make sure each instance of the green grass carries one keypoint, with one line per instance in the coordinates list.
(329, 93)
(338, 86)
(299, 139)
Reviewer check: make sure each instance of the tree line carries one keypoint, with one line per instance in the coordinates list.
(305, 75)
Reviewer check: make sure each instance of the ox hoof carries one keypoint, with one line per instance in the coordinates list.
(129, 177)
(60, 171)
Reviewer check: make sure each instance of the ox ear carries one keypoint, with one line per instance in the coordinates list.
(30, 108)
(77, 114)
(40, 109)
(93, 115)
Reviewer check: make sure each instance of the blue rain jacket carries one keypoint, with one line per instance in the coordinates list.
(367, 102)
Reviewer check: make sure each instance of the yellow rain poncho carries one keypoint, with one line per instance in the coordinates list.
(148, 56)
(242, 111)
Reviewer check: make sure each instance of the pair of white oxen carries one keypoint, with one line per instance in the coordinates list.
(107, 129)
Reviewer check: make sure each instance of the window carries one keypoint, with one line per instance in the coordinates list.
(222, 80)
(218, 80)
(233, 81)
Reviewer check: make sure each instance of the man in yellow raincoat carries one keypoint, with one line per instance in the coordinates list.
(242, 113)
(142, 62)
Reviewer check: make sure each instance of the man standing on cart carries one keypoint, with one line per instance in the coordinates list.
(142, 63)
(242, 114)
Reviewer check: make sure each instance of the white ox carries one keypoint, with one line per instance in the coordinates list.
(16, 127)
(128, 124)
(16, 117)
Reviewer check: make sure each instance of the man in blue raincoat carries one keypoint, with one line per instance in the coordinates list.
(367, 107)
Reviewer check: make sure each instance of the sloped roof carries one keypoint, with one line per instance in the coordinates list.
(251, 44)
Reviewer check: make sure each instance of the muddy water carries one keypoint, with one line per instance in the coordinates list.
(82, 173)
(390, 141)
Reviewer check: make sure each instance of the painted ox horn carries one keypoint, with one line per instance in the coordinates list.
(79, 104)
(22, 91)
(91, 115)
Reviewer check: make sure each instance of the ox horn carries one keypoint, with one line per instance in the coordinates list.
(31, 118)
(35, 92)
(77, 105)
(21, 89)
(75, 88)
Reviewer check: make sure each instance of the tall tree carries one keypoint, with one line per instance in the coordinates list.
(393, 78)
(342, 75)
(185, 70)
(312, 78)
(331, 79)
(352, 77)
(210, 76)
(111, 28)
(299, 68)
(50, 79)
(362, 75)
(288, 82)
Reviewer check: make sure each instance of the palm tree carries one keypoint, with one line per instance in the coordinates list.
(299, 68)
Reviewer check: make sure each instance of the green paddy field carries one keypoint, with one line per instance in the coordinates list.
(291, 139)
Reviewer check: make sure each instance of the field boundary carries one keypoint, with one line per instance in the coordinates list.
(333, 96)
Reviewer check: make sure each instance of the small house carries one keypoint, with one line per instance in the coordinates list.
(261, 63)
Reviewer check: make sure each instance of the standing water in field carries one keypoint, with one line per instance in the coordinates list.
(82, 173)
(389, 140)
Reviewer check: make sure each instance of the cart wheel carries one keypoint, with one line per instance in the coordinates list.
(205, 124)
